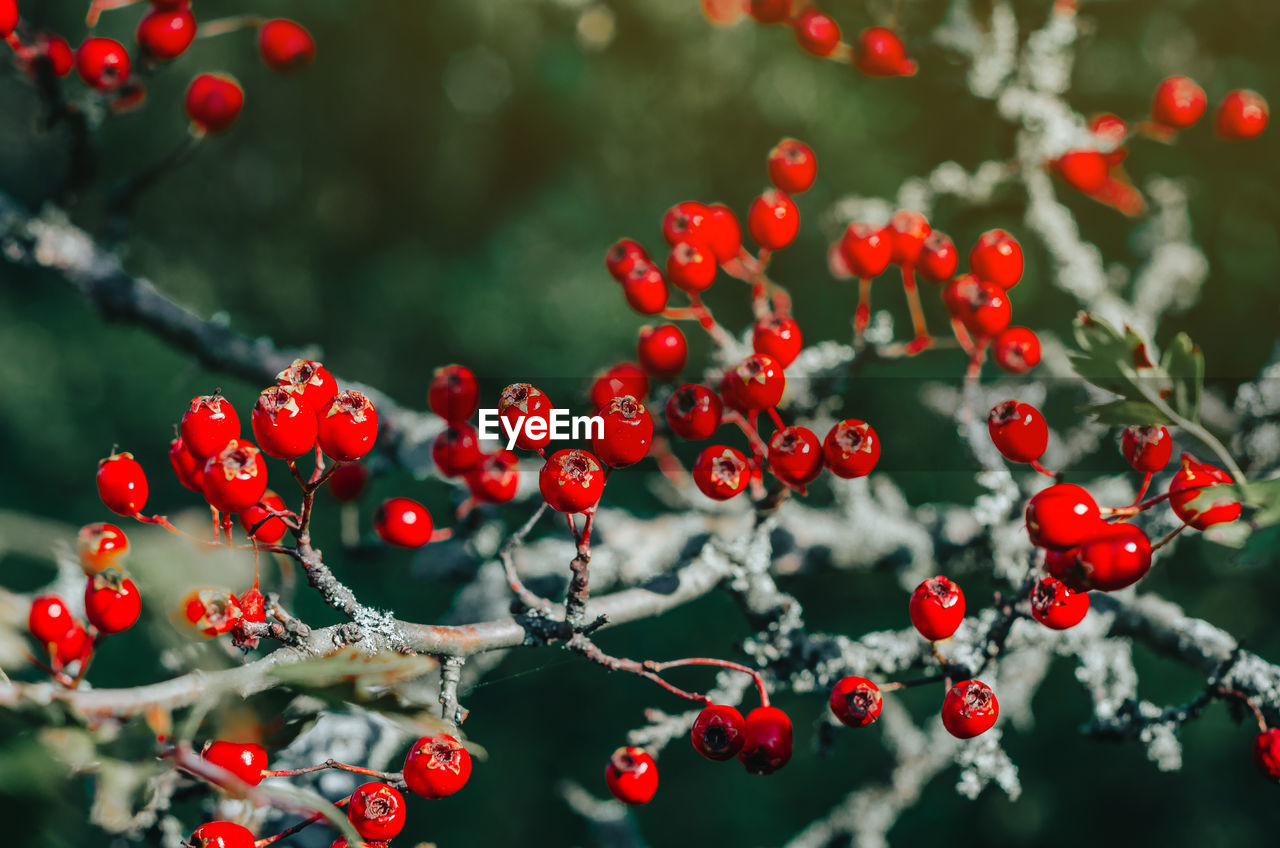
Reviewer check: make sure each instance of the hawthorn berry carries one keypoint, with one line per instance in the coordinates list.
(235, 477)
(624, 255)
(214, 102)
(969, 709)
(49, 619)
(766, 743)
(1018, 431)
(53, 48)
(100, 546)
(166, 34)
(437, 766)
(773, 220)
(937, 608)
(221, 834)
(376, 811)
(1200, 495)
(693, 412)
(938, 258)
(211, 611)
(1061, 563)
(1266, 753)
(253, 605)
(454, 393)
(880, 53)
(1241, 115)
(1147, 449)
(685, 222)
(721, 472)
(718, 732)
(1057, 606)
(818, 34)
(75, 644)
(645, 289)
(112, 603)
(627, 433)
(207, 425)
(778, 336)
(792, 165)
(867, 249)
(1116, 556)
(285, 45)
(757, 382)
(8, 17)
(632, 776)
(856, 701)
(662, 351)
(795, 455)
(495, 478)
(271, 528)
(311, 382)
(1083, 169)
(625, 378)
(186, 467)
(245, 760)
(347, 427)
(983, 307)
(1062, 516)
(997, 258)
(907, 232)
(282, 425)
(1112, 131)
(456, 450)
(691, 266)
(1016, 350)
(851, 448)
(721, 232)
(347, 481)
(103, 63)
(1178, 103)
(571, 480)
(122, 484)
(403, 522)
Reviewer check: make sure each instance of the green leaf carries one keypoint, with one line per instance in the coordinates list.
(1184, 363)
(1122, 413)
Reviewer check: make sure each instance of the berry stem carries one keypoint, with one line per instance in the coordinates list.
(222, 26)
(1133, 509)
(583, 646)
(862, 316)
(922, 339)
(962, 336)
(753, 437)
(1035, 463)
(389, 777)
(1142, 490)
(777, 419)
(1169, 537)
(1248, 702)
(291, 830)
(908, 684)
(659, 667)
(97, 7)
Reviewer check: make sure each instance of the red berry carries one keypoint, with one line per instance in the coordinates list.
(1199, 495)
(625, 378)
(937, 608)
(969, 709)
(208, 424)
(235, 477)
(211, 611)
(1018, 431)
(253, 605)
(122, 484)
(454, 393)
(773, 220)
(456, 450)
(49, 619)
(1112, 131)
(907, 232)
(403, 522)
(1242, 115)
(311, 382)
(100, 546)
(851, 448)
(221, 834)
(188, 469)
(1084, 170)
(856, 701)
(624, 255)
(766, 745)
(880, 53)
(1119, 555)
(818, 34)
(795, 455)
(662, 351)
(1061, 563)
(523, 401)
(770, 11)
(1016, 350)
(693, 412)
(282, 425)
(1147, 449)
(1062, 516)
(691, 266)
(756, 382)
(348, 427)
(1266, 753)
(571, 480)
(376, 811)
(778, 336)
(245, 760)
(938, 258)
(1056, 606)
(166, 34)
(792, 165)
(347, 481)
(1178, 103)
(71, 646)
(102, 63)
(271, 529)
(54, 48)
(214, 102)
(721, 472)
(627, 434)
(645, 289)
(983, 307)
(721, 232)
(495, 478)
(632, 776)
(685, 222)
(285, 45)
(8, 17)
(437, 766)
(997, 258)
(867, 249)
(111, 604)
(718, 732)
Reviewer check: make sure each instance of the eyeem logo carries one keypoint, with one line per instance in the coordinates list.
(557, 426)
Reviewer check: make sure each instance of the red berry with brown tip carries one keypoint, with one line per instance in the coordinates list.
(1266, 753)
(208, 424)
(627, 432)
(938, 258)
(691, 266)
(1016, 350)
(311, 382)
(271, 528)
(347, 481)
(112, 604)
(907, 233)
(1057, 606)
(1062, 516)
(571, 480)
(662, 351)
(721, 232)
(795, 455)
(122, 484)
(1200, 496)
(282, 425)
(856, 701)
(937, 608)
(221, 834)
(851, 448)
(766, 745)
(969, 709)
(1242, 115)
(1178, 103)
(102, 63)
(243, 759)
(523, 401)
(214, 102)
(402, 522)
(285, 45)
(693, 412)
(49, 619)
(101, 545)
(881, 53)
(997, 258)
(376, 811)
(721, 472)
(792, 165)
(454, 393)
(632, 776)
(1116, 556)
(166, 34)
(1148, 449)
(778, 336)
(495, 479)
(757, 382)
(645, 289)
(437, 766)
(624, 255)
(867, 249)
(53, 48)
(456, 450)
(235, 478)
(684, 222)
(983, 307)
(773, 220)
(347, 427)
(718, 732)
(1018, 431)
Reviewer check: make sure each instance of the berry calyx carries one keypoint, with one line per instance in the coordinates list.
(111, 603)
(773, 220)
(851, 449)
(214, 102)
(235, 478)
(777, 336)
(347, 427)
(1178, 103)
(101, 546)
(437, 766)
(818, 34)
(122, 484)
(311, 382)
(757, 382)
(766, 745)
(271, 528)
(1200, 495)
(1018, 431)
(1056, 605)
(347, 481)
(880, 53)
(1147, 449)
(1084, 170)
(795, 455)
(1119, 555)
(792, 165)
(454, 393)
(997, 258)
(645, 289)
(211, 612)
(907, 233)
(632, 776)
(867, 249)
(1062, 516)
(983, 307)
(403, 522)
(1016, 350)
(969, 709)
(523, 401)
(495, 479)
(1241, 115)
(49, 619)
(684, 222)
(718, 732)
(208, 424)
(938, 258)
(691, 266)
(456, 450)
(245, 760)
(221, 834)
(856, 701)
(376, 811)
(571, 480)
(662, 351)
(282, 425)
(721, 472)
(937, 608)
(285, 45)
(693, 412)
(627, 433)
(165, 34)
(102, 63)
(1266, 753)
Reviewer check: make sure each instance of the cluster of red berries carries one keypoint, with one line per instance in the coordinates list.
(436, 767)
(454, 395)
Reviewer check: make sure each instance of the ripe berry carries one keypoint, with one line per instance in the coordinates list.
(778, 336)
(214, 102)
(71, 646)
(348, 427)
(1084, 170)
(1178, 103)
(1061, 564)
(1056, 606)
(1018, 431)
(1112, 132)
(691, 266)
(632, 776)
(1016, 350)
(721, 232)
(684, 222)
(1199, 496)
(662, 351)
(376, 811)
(1062, 516)
(969, 709)
(285, 45)
(997, 258)
(1118, 555)
(52, 47)
(122, 484)
(521, 400)
(347, 481)
(188, 469)
(766, 745)
(773, 220)
(235, 477)
(721, 472)
(208, 424)
(245, 760)
(282, 425)
(867, 249)
(112, 604)
(907, 233)
(166, 34)
(625, 378)
(571, 480)
(495, 478)
(856, 701)
(437, 766)
(100, 546)
(983, 307)
(311, 382)
(693, 412)
(8, 17)
(1242, 115)
(645, 289)
(937, 608)
(211, 611)
(851, 449)
(1147, 449)
(756, 382)
(624, 255)
(456, 450)
(221, 834)
(403, 522)
(627, 434)
(1266, 753)
(454, 393)
(102, 63)
(880, 53)
(718, 732)
(792, 165)
(938, 258)
(49, 619)
(795, 455)
(818, 34)
(271, 529)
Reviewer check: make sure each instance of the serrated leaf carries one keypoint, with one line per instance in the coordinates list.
(1122, 413)
(1264, 501)
(1184, 363)
(1119, 362)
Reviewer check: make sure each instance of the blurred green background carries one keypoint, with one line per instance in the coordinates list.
(441, 186)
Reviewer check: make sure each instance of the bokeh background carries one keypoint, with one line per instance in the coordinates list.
(441, 186)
